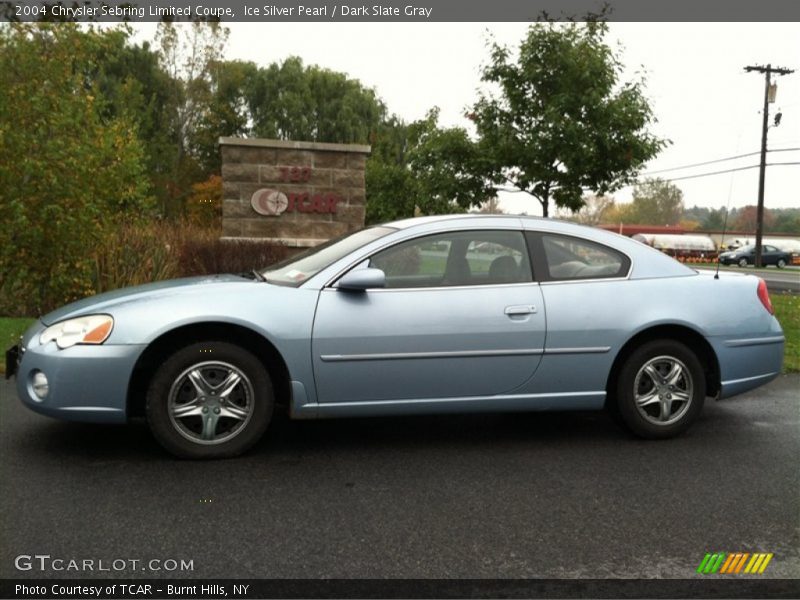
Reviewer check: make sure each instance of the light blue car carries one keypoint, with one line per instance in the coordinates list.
(431, 315)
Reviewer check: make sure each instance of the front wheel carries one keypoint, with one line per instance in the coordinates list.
(209, 400)
(660, 389)
(781, 263)
(743, 262)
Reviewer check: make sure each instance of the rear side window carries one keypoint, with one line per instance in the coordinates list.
(568, 258)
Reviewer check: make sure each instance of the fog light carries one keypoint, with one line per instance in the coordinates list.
(39, 385)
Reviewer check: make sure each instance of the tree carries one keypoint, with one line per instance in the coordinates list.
(747, 218)
(563, 122)
(656, 202)
(491, 207)
(226, 112)
(786, 220)
(289, 100)
(715, 221)
(447, 167)
(594, 211)
(188, 54)
(204, 205)
(423, 169)
(68, 171)
(390, 188)
(132, 84)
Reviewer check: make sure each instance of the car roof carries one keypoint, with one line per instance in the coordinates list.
(523, 221)
(416, 221)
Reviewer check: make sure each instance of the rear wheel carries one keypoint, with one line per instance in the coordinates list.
(660, 389)
(209, 400)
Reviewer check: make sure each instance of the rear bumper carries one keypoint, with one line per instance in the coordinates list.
(748, 363)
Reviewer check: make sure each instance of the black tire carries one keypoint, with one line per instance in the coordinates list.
(663, 413)
(781, 263)
(743, 262)
(221, 421)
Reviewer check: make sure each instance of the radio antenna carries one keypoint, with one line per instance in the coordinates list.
(727, 210)
(724, 229)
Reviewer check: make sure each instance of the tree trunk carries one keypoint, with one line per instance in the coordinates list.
(545, 202)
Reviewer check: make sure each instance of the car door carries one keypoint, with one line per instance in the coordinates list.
(459, 317)
(769, 255)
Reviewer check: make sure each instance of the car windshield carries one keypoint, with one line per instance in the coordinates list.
(746, 249)
(297, 269)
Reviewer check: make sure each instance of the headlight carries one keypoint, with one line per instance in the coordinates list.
(93, 329)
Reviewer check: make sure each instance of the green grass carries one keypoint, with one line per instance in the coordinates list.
(787, 310)
(432, 264)
(10, 330)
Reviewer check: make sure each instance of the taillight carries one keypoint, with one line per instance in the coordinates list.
(763, 295)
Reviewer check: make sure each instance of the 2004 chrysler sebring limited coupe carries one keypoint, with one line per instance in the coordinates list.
(428, 315)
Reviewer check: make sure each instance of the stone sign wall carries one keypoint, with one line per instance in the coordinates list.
(296, 193)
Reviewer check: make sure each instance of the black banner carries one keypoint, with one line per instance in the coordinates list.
(275, 11)
(707, 587)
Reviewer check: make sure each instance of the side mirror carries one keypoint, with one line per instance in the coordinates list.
(362, 279)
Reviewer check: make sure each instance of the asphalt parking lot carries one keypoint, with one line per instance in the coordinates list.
(535, 495)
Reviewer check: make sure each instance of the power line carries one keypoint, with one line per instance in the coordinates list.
(778, 164)
(718, 160)
(782, 164)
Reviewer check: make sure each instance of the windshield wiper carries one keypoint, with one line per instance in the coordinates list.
(253, 275)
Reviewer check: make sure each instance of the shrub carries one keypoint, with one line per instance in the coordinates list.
(164, 250)
(132, 254)
(204, 204)
(205, 255)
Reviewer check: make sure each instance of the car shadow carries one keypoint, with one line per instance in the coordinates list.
(290, 438)
(432, 431)
(91, 441)
(287, 437)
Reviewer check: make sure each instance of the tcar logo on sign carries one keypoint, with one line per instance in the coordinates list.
(734, 563)
(273, 203)
(269, 202)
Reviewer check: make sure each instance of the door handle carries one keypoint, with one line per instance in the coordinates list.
(520, 309)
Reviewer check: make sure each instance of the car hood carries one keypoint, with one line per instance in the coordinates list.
(105, 302)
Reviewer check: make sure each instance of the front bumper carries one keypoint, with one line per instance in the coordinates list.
(85, 383)
(12, 361)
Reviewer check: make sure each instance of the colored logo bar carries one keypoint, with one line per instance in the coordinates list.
(734, 563)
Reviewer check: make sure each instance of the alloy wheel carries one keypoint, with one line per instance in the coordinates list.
(663, 390)
(211, 402)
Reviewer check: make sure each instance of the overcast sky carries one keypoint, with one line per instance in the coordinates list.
(704, 101)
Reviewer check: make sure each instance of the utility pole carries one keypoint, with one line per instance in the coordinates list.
(768, 71)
